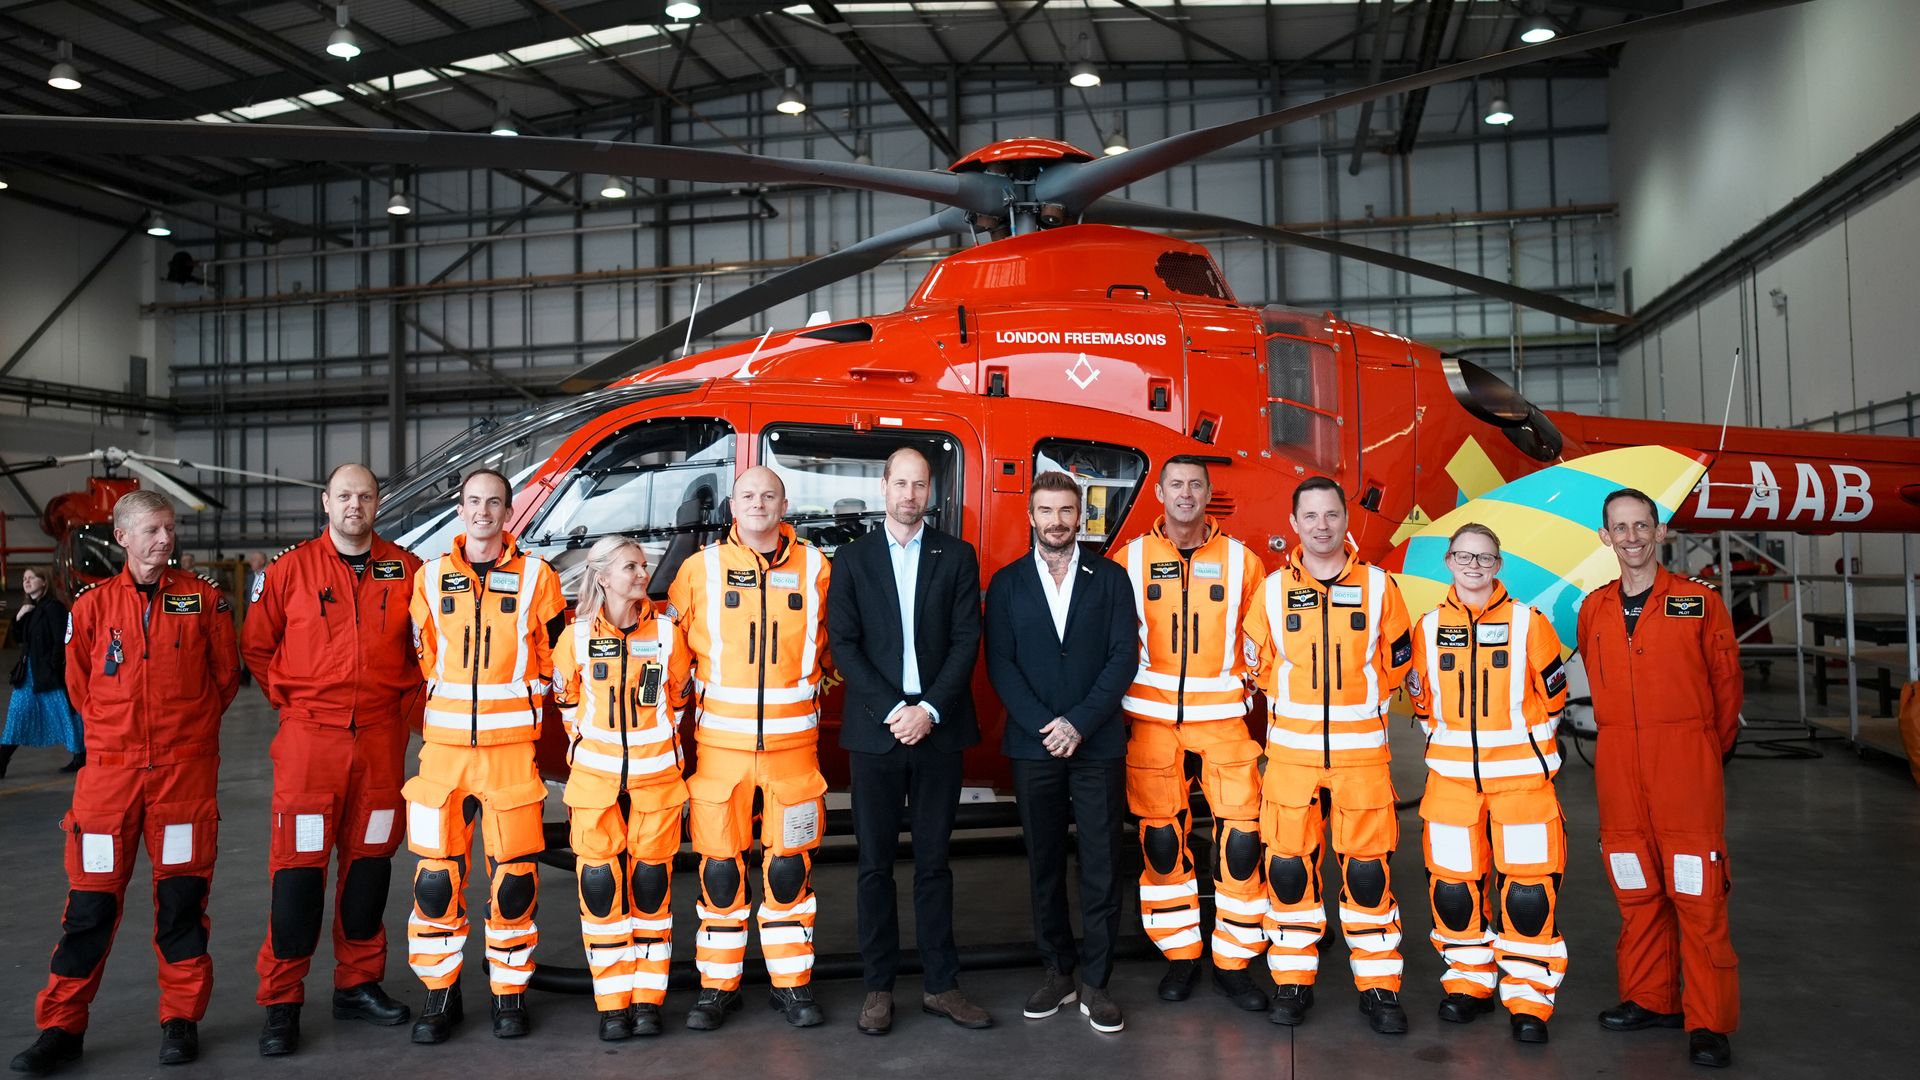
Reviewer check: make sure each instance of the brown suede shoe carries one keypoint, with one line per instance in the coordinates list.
(954, 1006)
(876, 1013)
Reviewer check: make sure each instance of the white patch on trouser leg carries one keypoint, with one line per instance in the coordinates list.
(379, 828)
(1688, 874)
(1627, 874)
(176, 845)
(423, 826)
(1452, 847)
(96, 853)
(309, 832)
(1525, 845)
(800, 825)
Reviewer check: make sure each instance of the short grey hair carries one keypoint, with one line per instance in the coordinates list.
(135, 505)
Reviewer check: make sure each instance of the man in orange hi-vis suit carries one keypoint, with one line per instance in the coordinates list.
(1191, 585)
(1328, 636)
(484, 617)
(754, 610)
(1487, 687)
(1664, 668)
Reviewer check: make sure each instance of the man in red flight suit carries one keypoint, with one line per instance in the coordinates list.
(1664, 668)
(329, 637)
(151, 665)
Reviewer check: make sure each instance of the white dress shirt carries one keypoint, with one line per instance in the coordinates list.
(906, 582)
(1059, 597)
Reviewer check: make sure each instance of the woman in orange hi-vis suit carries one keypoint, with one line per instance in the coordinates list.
(1487, 688)
(620, 679)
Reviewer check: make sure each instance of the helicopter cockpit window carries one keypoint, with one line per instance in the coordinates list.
(663, 482)
(1109, 478)
(95, 555)
(1302, 389)
(833, 479)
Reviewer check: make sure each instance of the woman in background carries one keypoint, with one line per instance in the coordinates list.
(38, 712)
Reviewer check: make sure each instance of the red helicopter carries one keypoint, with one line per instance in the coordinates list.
(1067, 338)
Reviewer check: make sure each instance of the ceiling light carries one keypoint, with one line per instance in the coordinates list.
(1499, 113)
(1537, 29)
(3, 182)
(613, 188)
(63, 75)
(1082, 74)
(341, 42)
(1116, 139)
(157, 226)
(791, 102)
(683, 10)
(398, 206)
(863, 149)
(503, 122)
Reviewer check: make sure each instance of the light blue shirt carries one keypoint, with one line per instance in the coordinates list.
(906, 582)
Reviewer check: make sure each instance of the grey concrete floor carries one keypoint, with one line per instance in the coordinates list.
(1824, 853)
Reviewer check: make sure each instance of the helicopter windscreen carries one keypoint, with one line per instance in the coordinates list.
(95, 555)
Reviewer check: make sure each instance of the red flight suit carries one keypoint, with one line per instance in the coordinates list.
(1667, 701)
(150, 676)
(333, 652)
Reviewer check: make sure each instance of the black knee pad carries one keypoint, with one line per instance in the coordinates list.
(720, 878)
(515, 896)
(1528, 908)
(786, 877)
(86, 933)
(1289, 878)
(598, 886)
(433, 892)
(1453, 902)
(294, 914)
(1366, 880)
(179, 918)
(650, 881)
(1162, 846)
(363, 897)
(1241, 854)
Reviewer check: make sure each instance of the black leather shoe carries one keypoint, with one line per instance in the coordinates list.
(615, 1025)
(510, 1016)
(179, 1042)
(797, 1002)
(1464, 1008)
(711, 1008)
(370, 1003)
(281, 1035)
(1383, 1012)
(1709, 1048)
(1529, 1029)
(1177, 983)
(52, 1051)
(644, 1019)
(1627, 1016)
(439, 1016)
(1237, 986)
(1290, 1004)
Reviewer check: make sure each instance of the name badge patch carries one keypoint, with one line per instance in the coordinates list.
(389, 570)
(743, 579)
(1302, 598)
(1451, 637)
(1164, 571)
(455, 583)
(783, 579)
(180, 603)
(1345, 595)
(503, 581)
(1687, 607)
(602, 648)
(643, 648)
(1491, 633)
(1208, 570)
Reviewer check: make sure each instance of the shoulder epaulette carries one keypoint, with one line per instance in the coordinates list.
(85, 589)
(282, 554)
(208, 578)
(1703, 581)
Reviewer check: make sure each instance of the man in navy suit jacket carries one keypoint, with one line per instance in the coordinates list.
(1063, 645)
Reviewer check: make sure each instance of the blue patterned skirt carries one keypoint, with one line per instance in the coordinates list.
(38, 717)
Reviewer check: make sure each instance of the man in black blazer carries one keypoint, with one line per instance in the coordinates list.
(1063, 645)
(903, 617)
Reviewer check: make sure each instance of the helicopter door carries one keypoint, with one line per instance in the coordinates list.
(1126, 355)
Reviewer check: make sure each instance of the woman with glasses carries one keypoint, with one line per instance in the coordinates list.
(1487, 689)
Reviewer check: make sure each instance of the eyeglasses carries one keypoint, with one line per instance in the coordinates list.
(1472, 558)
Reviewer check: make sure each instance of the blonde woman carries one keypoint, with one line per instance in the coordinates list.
(620, 677)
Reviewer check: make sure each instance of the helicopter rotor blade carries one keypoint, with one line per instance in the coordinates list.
(848, 261)
(1076, 186)
(454, 149)
(172, 486)
(183, 463)
(50, 462)
(1111, 211)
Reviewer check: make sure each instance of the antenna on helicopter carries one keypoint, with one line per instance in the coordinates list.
(687, 346)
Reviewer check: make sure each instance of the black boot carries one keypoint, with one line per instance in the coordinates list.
(179, 1042)
(1290, 1004)
(615, 1024)
(798, 1005)
(75, 763)
(1529, 1029)
(370, 1003)
(6, 757)
(644, 1018)
(52, 1051)
(1628, 1016)
(1463, 1008)
(1177, 983)
(439, 1015)
(281, 1035)
(711, 1008)
(510, 1016)
(1238, 988)
(1383, 1011)
(1709, 1048)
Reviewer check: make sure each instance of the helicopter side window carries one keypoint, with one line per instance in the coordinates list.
(1109, 478)
(1302, 391)
(833, 479)
(663, 482)
(95, 555)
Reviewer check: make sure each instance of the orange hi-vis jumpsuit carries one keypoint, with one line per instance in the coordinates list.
(1329, 658)
(756, 626)
(150, 676)
(331, 649)
(1191, 697)
(1667, 701)
(484, 649)
(620, 694)
(1487, 687)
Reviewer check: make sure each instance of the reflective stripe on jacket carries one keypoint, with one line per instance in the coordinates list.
(483, 645)
(1192, 663)
(1487, 687)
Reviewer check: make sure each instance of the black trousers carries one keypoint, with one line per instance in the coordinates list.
(927, 782)
(1092, 796)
